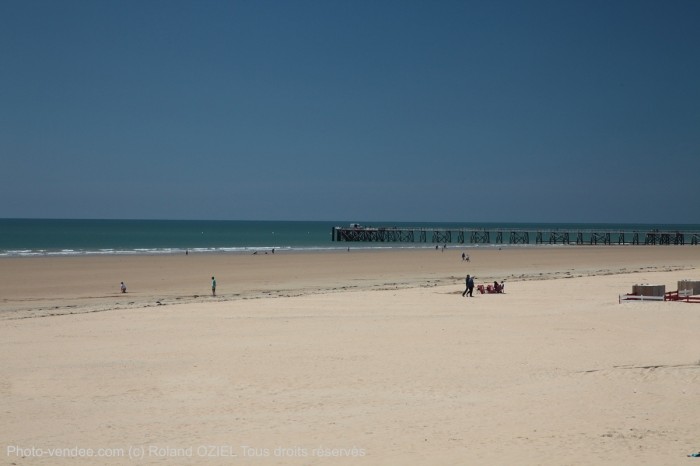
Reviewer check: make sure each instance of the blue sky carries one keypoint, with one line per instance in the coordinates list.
(532, 111)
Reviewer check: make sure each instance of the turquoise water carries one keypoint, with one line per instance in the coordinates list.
(23, 237)
(37, 237)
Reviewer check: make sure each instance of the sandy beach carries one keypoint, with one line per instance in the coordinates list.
(350, 358)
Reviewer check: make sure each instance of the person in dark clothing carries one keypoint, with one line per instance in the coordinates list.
(469, 282)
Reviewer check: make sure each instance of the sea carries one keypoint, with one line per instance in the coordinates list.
(73, 237)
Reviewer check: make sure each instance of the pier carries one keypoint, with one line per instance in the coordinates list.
(359, 233)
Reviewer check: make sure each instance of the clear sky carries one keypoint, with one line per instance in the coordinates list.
(518, 111)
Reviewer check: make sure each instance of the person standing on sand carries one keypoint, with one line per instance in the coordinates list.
(123, 287)
(213, 286)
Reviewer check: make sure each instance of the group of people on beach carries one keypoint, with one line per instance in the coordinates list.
(495, 288)
(469, 284)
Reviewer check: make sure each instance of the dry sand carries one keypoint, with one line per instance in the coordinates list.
(350, 359)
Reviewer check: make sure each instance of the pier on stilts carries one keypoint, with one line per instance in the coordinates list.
(357, 233)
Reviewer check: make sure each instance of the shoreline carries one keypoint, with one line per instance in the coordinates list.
(353, 246)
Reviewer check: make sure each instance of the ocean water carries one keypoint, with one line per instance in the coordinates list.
(56, 237)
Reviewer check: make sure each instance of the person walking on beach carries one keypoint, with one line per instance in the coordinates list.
(469, 290)
(466, 288)
(213, 286)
